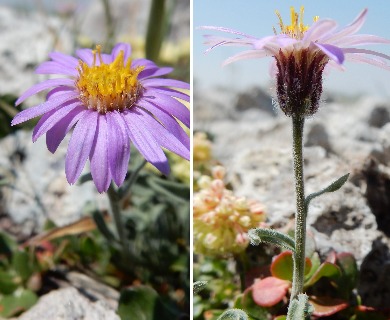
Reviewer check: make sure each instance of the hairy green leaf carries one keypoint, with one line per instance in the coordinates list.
(277, 238)
(233, 314)
(334, 186)
(199, 286)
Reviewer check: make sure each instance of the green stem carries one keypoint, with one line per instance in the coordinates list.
(109, 42)
(300, 218)
(133, 177)
(115, 196)
(156, 29)
(241, 261)
(116, 212)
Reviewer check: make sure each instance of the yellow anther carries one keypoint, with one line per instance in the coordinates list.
(107, 87)
(297, 28)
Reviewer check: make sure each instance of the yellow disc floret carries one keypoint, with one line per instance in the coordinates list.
(108, 87)
(297, 28)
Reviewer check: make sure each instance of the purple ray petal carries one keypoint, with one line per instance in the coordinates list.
(99, 156)
(169, 105)
(118, 141)
(43, 86)
(86, 55)
(64, 59)
(42, 108)
(52, 67)
(333, 52)
(59, 91)
(144, 63)
(125, 47)
(154, 72)
(165, 83)
(169, 92)
(168, 121)
(162, 135)
(57, 133)
(107, 59)
(80, 145)
(49, 119)
(145, 142)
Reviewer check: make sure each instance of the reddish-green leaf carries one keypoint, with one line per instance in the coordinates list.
(269, 291)
(349, 271)
(282, 266)
(326, 269)
(326, 306)
(254, 311)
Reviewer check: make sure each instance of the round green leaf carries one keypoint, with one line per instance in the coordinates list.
(282, 266)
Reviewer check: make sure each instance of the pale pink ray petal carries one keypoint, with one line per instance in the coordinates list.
(351, 29)
(249, 54)
(318, 31)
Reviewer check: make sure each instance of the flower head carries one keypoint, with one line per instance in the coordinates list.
(111, 101)
(221, 220)
(301, 53)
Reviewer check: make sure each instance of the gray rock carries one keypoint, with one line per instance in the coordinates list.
(379, 116)
(38, 189)
(26, 38)
(68, 304)
(339, 139)
(317, 136)
(255, 98)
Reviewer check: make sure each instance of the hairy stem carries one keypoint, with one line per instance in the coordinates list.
(300, 217)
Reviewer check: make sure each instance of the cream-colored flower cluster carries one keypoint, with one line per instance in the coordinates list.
(202, 156)
(221, 220)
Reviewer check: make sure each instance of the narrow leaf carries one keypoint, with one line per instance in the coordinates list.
(233, 314)
(277, 238)
(100, 222)
(175, 191)
(334, 186)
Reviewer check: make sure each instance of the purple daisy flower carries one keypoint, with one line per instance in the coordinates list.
(301, 53)
(111, 101)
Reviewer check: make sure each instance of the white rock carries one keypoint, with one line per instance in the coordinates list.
(68, 304)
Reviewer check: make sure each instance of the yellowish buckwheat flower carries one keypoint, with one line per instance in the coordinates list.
(221, 219)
